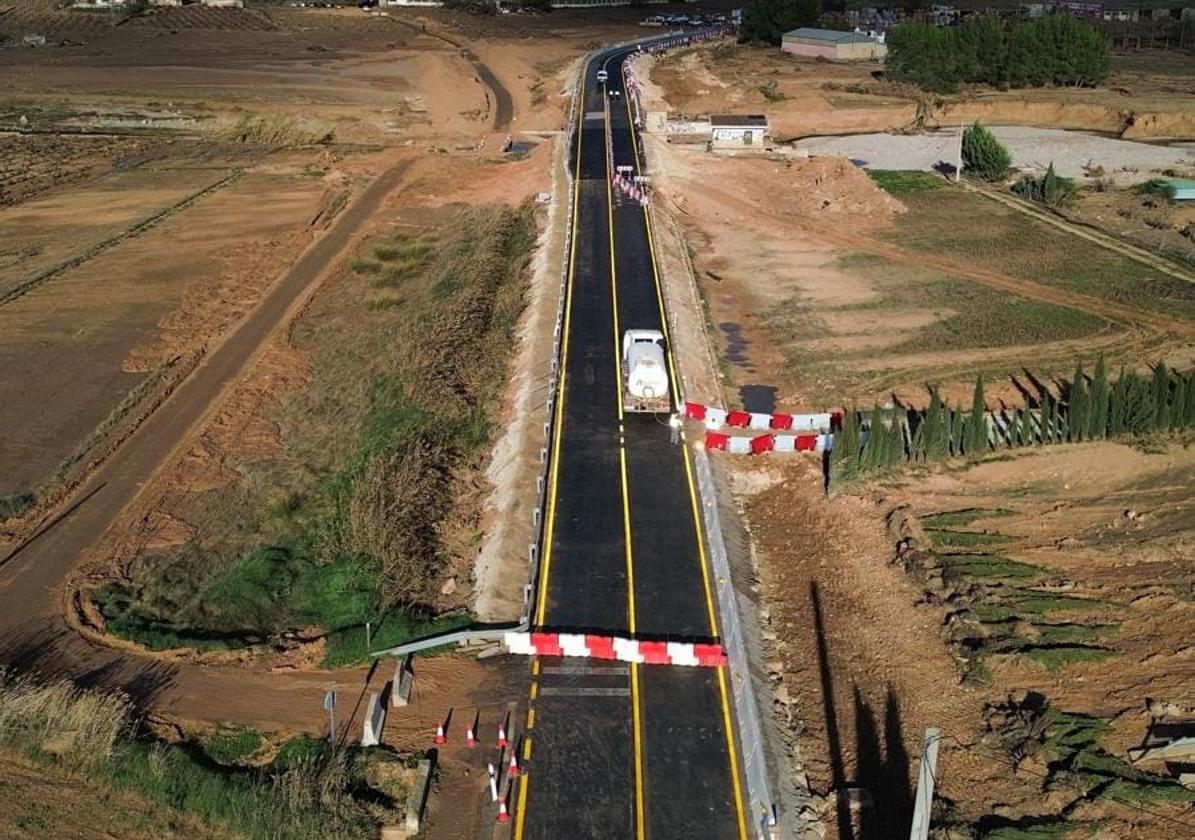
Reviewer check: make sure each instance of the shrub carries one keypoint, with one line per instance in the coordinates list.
(983, 154)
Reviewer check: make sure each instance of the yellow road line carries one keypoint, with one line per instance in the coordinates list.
(731, 749)
(550, 513)
(636, 715)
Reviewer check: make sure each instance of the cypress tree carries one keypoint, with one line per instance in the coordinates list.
(1015, 431)
(1189, 408)
(937, 443)
(1161, 397)
(1055, 420)
(1139, 410)
(1178, 404)
(956, 431)
(1117, 411)
(977, 422)
(1098, 427)
(895, 452)
(1078, 408)
(873, 448)
(917, 444)
(844, 457)
(1045, 427)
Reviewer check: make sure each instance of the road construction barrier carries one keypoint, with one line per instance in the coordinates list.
(619, 648)
(715, 418)
(375, 720)
(768, 443)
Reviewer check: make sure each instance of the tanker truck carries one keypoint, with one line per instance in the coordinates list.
(644, 372)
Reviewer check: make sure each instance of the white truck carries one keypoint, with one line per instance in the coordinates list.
(644, 372)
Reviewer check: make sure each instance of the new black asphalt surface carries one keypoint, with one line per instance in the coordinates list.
(582, 776)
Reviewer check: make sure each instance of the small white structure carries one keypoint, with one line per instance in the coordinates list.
(738, 131)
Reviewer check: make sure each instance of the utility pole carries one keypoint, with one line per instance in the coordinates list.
(926, 777)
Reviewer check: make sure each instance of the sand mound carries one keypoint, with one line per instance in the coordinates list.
(825, 187)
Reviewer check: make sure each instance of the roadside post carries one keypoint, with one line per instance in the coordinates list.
(330, 708)
(926, 777)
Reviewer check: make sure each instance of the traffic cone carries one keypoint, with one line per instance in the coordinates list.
(503, 816)
(469, 737)
(502, 742)
(513, 770)
(440, 739)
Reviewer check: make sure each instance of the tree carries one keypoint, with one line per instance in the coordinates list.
(1078, 407)
(937, 432)
(844, 457)
(872, 455)
(977, 423)
(1161, 397)
(1139, 410)
(1117, 410)
(956, 432)
(768, 20)
(1178, 404)
(1189, 408)
(1098, 425)
(983, 154)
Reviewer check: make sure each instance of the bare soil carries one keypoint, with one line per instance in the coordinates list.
(870, 652)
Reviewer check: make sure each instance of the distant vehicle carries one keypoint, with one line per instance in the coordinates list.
(644, 372)
(602, 75)
(615, 93)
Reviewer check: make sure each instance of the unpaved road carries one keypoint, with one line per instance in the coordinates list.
(34, 631)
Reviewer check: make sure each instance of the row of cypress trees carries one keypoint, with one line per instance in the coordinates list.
(1090, 408)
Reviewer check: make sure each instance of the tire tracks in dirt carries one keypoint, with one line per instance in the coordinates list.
(34, 589)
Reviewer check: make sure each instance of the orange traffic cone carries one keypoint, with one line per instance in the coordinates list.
(469, 737)
(440, 739)
(513, 770)
(502, 742)
(503, 815)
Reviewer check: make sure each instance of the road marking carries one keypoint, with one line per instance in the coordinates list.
(534, 690)
(732, 751)
(584, 691)
(550, 518)
(636, 713)
(587, 670)
(527, 749)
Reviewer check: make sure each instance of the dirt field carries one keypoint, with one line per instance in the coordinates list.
(805, 97)
(1066, 575)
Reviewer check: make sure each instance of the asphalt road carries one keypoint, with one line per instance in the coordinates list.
(621, 751)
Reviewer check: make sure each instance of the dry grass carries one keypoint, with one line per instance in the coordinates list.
(278, 131)
(76, 726)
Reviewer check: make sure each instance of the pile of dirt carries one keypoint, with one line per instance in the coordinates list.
(829, 188)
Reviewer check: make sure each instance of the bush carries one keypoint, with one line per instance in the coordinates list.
(14, 504)
(983, 154)
(1050, 189)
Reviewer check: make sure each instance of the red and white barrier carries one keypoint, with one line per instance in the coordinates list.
(593, 646)
(768, 443)
(716, 418)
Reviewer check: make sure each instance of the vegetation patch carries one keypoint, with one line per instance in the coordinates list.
(989, 568)
(943, 538)
(963, 517)
(228, 745)
(904, 182)
(14, 504)
(377, 490)
(93, 735)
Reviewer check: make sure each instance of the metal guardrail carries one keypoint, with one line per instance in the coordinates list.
(755, 771)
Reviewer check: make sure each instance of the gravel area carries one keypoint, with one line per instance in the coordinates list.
(1032, 150)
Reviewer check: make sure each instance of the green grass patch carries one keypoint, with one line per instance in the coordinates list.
(232, 746)
(382, 304)
(958, 518)
(1029, 605)
(943, 538)
(302, 749)
(347, 647)
(365, 266)
(1057, 657)
(14, 504)
(1061, 634)
(905, 182)
(989, 567)
(1042, 831)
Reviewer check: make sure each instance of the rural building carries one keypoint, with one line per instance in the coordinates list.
(831, 44)
(738, 131)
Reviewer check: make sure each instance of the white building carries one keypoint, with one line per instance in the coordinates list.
(738, 131)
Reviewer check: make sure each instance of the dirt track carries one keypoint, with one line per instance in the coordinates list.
(35, 632)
